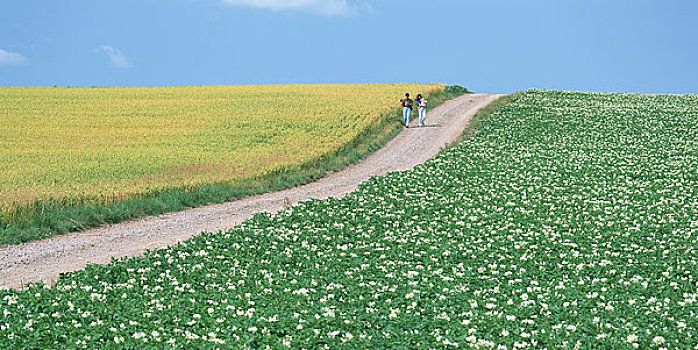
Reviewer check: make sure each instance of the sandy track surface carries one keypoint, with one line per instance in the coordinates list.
(44, 260)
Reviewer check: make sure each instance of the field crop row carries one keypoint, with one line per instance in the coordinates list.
(568, 220)
(72, 147)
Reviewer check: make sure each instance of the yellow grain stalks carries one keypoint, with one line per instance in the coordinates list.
(104, 145)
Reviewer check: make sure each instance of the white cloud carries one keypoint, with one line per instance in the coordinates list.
(10, 58)
(322, 7)
(116, 57)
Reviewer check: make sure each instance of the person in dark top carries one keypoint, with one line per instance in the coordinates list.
(407, 104)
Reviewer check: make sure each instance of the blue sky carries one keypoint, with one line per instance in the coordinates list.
(497, 46)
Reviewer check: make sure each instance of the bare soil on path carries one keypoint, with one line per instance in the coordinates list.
(45, 260)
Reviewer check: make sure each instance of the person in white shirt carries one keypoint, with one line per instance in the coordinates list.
(422, 108)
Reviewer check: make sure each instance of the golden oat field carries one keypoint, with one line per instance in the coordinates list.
(104, 145)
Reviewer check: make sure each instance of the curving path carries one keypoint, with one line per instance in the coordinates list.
(44, 260)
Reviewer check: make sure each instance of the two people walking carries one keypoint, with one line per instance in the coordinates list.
(407, 104)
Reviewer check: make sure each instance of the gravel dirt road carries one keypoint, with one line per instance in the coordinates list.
(44, 260)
